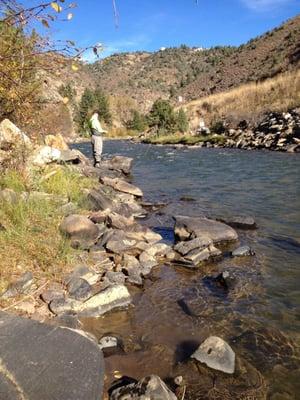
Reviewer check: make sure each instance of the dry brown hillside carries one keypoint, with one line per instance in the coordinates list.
(193, 73)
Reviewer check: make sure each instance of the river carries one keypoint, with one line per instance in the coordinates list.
(261, 316)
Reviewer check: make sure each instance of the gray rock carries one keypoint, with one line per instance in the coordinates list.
(216, 354)
(69, 156)
(20, 286)
(80, 228)
(119, 243)
(141, 233)
(46, 362)
(199, 243)
(108, 342)
(79, 289)
(114, 278)
(239, 222)
(150, 387)
(119, 163)
(122, 186)
(111, 298)
(203, 227)
(117, 221)
(99, 200)
(243, 251)
(64, 306)
(48, 295)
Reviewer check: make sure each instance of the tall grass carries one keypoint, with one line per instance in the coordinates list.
(30, 239)
(277, 94)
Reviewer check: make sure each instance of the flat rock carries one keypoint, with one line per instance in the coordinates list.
(207, 228)
(46, 362)
(99, 200)
(118, 221)
(119, 243)
(113, 297)
(150, 387)
(22, 285)
(239, 222)
(216, 354)
(186, 246)
(122, 186)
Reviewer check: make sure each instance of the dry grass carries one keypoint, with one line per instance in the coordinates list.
(121, 133)
(178, 138)
(248, 101)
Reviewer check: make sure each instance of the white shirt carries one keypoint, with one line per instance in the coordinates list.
(95, 124)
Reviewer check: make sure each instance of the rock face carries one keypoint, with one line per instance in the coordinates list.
(45, 362)
(80, 228)
(216, 354)
(150, 387)
(217, 232)
(11, 134)
(20, 286)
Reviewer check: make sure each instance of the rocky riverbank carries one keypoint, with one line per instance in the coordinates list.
(276, 131)
(116, 257)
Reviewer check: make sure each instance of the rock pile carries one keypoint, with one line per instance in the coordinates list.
(277, 131)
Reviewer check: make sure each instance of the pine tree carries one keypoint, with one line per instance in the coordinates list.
(86, 105)
(102, 106)
(182, 121)
(138, 122)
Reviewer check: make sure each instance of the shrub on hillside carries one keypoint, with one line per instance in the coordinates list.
(162, 117)
(138, 122)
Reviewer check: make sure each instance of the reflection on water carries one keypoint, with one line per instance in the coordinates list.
(259, 315)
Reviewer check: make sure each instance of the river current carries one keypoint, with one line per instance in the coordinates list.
(260, 317)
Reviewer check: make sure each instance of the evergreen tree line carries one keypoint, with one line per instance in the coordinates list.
(162, 118)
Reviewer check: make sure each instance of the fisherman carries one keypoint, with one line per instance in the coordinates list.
(97, 141)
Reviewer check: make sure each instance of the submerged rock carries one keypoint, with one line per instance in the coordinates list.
(199, 227)
(216, 354)
(150, 387)
(239, 222)
(242, 252)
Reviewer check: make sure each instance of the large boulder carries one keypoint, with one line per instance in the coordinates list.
(122, 186)
(80, 228)
(45, 155)
(56, 141)
(46, 362)
(150, 387)
(119, 163)
(216, 354)
(11, 134)
(199, 227)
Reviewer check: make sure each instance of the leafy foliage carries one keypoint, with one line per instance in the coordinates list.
(138, 122)
(182, 121)
(92, 101)
(162, 117)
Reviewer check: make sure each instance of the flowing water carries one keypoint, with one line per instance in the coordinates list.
(260, 315)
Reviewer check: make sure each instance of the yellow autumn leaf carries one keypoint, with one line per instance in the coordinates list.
(75, 67)
(56, 7)
(65, 100)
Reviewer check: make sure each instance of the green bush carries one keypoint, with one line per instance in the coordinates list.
(218, 127)
(162, 117)
(138, 122)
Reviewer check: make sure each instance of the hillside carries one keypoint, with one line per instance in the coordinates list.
(194, 73)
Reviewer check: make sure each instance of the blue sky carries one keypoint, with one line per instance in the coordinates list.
(151, 24)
